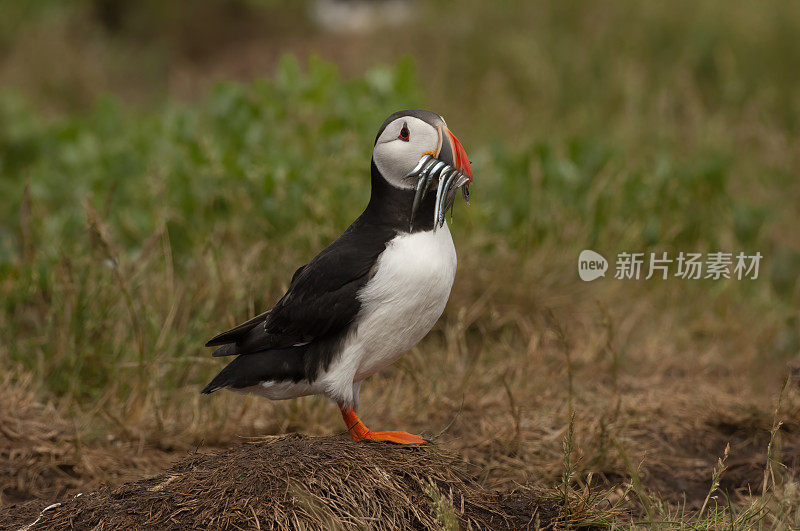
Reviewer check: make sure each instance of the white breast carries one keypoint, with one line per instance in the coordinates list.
(405, 297)
(399, 305)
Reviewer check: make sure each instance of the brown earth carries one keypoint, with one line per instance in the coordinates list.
(299, 482)
(319, 480)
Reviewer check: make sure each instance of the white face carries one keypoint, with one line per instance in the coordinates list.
(401, 145)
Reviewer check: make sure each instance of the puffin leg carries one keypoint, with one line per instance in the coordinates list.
(356, 391)
(359, 432)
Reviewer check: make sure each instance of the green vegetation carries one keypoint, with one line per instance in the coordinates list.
(130, 232)
(228, 170)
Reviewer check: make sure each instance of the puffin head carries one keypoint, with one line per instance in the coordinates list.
(406, 136)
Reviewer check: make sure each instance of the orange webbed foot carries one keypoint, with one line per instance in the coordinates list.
(359, 432)
(396, 437)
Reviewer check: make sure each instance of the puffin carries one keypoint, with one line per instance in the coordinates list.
(369, 296)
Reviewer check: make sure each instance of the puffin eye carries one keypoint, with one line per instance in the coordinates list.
(405, 134)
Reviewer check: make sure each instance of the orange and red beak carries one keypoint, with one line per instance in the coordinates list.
(451, 148)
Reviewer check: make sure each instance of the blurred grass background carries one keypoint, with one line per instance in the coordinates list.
(164, 168)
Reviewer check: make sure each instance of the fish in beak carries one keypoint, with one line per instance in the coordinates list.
(450, 165)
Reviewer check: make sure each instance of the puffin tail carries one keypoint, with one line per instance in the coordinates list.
(214, 385)
(220, 381)
(247, 370)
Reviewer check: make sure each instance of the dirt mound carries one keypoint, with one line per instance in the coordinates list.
(297, 482)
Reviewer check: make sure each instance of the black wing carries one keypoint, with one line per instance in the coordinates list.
(321, 299)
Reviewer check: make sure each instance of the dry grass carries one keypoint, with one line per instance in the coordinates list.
(496, 379)
(43, 457)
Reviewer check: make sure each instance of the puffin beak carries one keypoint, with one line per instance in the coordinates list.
(449, 143)
(450, 165)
